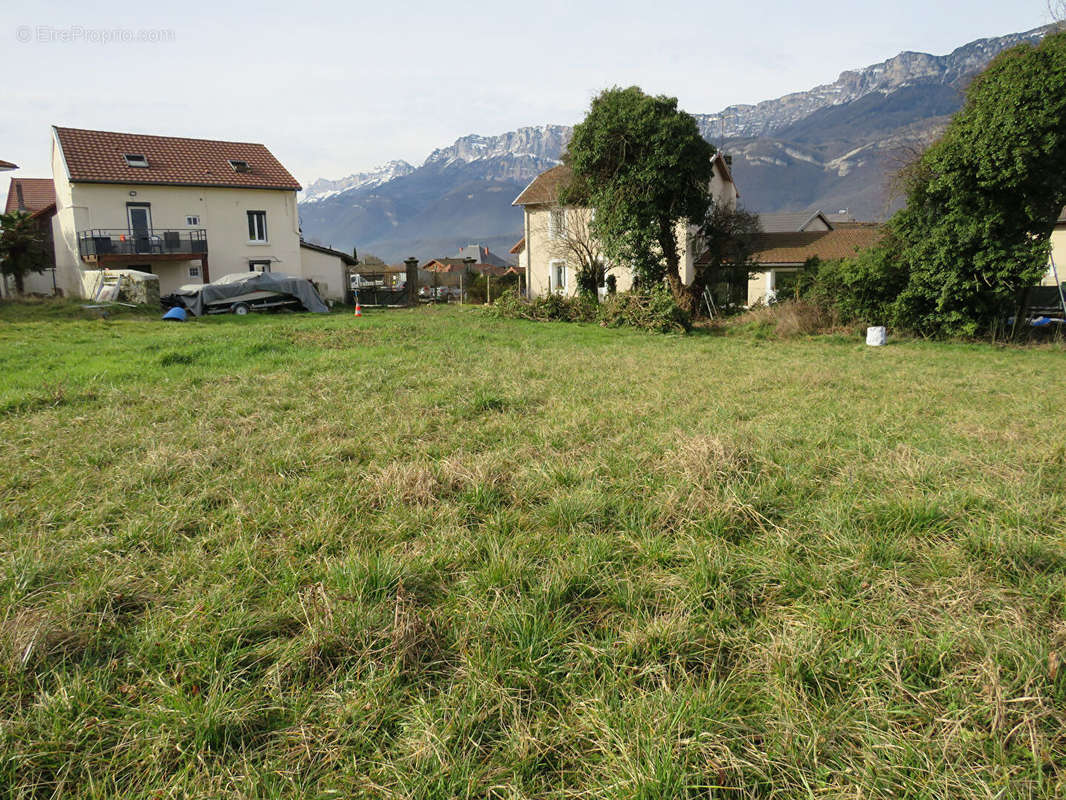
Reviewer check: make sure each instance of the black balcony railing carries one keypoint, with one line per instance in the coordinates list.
(118, 242)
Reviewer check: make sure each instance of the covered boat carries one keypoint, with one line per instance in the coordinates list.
(242, 292)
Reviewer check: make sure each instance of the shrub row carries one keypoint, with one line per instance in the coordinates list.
(654, 310)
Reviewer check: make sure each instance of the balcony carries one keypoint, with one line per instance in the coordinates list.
(112, 245)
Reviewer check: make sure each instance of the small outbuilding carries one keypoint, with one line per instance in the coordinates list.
(327, 269)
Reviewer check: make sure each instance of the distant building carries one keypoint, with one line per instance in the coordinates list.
(36, 197)
(482, 255)
(780, 255)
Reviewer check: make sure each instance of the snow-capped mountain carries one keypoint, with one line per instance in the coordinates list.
(323, 187)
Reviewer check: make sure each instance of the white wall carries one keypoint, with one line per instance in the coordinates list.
(1058, 252)
(324, 270)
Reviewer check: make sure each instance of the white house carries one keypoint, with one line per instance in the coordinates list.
(187, 210)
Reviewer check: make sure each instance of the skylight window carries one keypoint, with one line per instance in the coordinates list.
(239, 166)
(136, 160)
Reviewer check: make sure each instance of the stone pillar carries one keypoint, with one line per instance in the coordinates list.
(412, 280)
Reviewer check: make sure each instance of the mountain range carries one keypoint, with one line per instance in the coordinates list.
(832, 147)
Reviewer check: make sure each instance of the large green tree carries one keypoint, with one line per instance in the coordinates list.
(22, 247)
(642, 165)
(982, 200)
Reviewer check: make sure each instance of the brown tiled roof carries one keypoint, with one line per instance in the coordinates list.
(37, 193)
(545, 187)
(796, 248)
(445, 265)
(520, 245)
(98, 157)
(7, 165)
(47, 211)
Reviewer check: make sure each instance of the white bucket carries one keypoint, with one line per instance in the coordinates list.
(875, 336)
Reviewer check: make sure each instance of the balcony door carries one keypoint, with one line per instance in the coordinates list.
(140, 219)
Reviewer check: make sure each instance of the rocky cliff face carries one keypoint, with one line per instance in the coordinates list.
(538, 143)
(772, 116)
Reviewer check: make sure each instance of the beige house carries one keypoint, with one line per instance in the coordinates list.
(1058, 253)
(555, 233)
(186, 210)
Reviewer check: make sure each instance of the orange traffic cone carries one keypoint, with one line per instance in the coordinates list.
(358, 309)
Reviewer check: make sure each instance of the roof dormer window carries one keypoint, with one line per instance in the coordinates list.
(136, 160)
(239, 166)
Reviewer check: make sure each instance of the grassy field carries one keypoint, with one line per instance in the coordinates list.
(430, 554)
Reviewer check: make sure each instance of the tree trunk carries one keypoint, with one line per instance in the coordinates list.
(668, 244)
(673, 280)
(19, 283)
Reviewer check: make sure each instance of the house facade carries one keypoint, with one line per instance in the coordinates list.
(186, 210)
(556, 235)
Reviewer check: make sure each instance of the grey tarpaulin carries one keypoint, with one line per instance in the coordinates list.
(233, 288)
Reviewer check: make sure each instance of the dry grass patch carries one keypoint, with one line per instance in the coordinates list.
(707, 462)
(412, 483)
(791, 318)
(31, 637)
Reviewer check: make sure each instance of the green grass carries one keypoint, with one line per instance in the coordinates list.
(430, 554)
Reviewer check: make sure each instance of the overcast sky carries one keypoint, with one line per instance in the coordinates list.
(338, 87)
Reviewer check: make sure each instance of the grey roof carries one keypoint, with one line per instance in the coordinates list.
(791, 222)
(482, 255)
